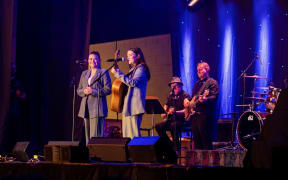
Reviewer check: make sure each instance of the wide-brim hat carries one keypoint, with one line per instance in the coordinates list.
(175, 80)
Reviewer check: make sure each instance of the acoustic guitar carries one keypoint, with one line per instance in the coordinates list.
(190, 110)
(119, 90)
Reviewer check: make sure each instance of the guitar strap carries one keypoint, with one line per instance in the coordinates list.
(202, 88)
(133, 71)
(130, 73)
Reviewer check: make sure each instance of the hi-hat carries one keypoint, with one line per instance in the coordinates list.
(255, 77)
(256, 98)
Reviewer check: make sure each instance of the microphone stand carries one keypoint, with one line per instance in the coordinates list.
(72, 83)
(73, 105)
(243, 74)
(98, 89)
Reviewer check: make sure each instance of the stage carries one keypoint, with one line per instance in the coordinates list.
(137, 171)
(223, 164)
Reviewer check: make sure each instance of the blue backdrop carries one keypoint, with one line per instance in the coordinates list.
(230, 36)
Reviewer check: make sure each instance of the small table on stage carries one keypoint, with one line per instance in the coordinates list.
(153, 106)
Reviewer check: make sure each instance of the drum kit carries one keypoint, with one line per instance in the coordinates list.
(251, 122)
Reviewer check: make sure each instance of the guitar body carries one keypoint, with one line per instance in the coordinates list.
(119, 90)
(190, 110)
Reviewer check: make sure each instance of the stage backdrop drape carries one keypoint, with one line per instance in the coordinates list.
(6, 26)
(51, 36)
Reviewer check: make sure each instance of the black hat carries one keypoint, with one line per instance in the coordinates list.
(175, 80)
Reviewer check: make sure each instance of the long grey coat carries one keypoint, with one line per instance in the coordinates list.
(134, 101)
(92, 100)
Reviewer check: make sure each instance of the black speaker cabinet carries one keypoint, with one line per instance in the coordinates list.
(225, 129)
(108, 149)
(152, 150)
(65, 151)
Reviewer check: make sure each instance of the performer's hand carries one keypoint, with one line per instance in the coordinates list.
(186, 103)
(192, 113)
(163, 116)
(171, 110)
(85, 91)
(202, 99)
(165, 107)
(88, 90)
(115, 70)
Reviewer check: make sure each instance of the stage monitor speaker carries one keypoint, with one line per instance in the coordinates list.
(20, 151)
(65, 151)
(225, 129)
(108, 149)
(154, 149)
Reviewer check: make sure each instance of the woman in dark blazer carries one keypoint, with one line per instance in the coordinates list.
(93, 108)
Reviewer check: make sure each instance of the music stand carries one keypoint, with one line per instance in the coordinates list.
(153, 106)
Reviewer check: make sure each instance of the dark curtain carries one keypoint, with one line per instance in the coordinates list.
(6, 26)
(51, 36)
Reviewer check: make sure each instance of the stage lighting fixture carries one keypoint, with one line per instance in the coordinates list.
(192, 2)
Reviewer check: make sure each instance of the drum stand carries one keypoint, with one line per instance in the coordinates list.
(243, 75)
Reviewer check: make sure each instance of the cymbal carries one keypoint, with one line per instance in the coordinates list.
(255, 77)
(274, 88)
(265, 88)
(256, 92)
(256, 98)
(244, 105)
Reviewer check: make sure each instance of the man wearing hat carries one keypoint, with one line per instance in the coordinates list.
(174, 117)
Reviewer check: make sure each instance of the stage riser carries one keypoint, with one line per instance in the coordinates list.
(214, 158)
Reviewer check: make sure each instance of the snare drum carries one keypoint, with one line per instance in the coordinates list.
(249, 127)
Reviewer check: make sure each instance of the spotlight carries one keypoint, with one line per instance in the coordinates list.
(195, 4)
(192, 2)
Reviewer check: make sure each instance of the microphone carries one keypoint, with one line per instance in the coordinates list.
(117, 60)
(81, 61)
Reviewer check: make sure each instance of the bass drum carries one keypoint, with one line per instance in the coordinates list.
(248, 129)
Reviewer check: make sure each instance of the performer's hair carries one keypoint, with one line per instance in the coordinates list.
(206, 65)
(141, 60)
(95, 53)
